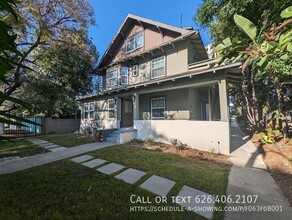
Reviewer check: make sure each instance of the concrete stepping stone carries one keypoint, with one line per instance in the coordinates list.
(57, 149)
(38, 141)
(158, 185)
(110, 168)
(51, 146)
(130, 175)
(204, 202)
(94, 163)
(45, 144)
(81, 158)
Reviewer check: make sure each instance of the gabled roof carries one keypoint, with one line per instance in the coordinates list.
(156, 23)
(127, 23)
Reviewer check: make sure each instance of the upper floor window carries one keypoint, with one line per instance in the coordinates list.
(113, 77)
(158, 67)
(134, 43)
(124, 75)
(135, 70)
(89, 110)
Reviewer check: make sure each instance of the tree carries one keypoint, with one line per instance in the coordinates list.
(267, 57)
(43, 23)
(64, 72)
(216, 15)
(8, 52)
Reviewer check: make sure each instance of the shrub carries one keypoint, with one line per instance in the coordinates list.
(267, 139)
(149, 142)
(174, 142)
(181, 146)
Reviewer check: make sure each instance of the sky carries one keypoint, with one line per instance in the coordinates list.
(110, 14)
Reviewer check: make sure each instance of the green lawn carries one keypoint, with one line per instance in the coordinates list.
(21, 148)
(206, 176)
(66, 190)
(67, 140)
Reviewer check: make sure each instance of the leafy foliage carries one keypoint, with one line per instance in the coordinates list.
(216, 15)
(44, 26)
(8, 51)
(267, 60)
(64, 72)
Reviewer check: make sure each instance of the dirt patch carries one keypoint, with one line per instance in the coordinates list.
(278, 158)
(187, 152)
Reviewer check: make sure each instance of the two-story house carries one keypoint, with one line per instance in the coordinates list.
(158, 82)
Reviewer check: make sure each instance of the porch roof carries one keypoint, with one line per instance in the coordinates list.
(233, 74)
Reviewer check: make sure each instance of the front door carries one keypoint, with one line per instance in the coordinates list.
(127, 113)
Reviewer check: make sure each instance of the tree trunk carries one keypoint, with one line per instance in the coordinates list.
(280, 118)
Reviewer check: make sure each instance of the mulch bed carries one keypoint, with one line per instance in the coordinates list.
(187, 152)
(278, 158)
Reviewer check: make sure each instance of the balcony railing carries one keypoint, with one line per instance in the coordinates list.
(204, 64)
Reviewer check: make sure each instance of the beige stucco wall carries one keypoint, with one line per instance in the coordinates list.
(203, 135)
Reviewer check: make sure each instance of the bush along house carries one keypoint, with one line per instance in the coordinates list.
(158, 82)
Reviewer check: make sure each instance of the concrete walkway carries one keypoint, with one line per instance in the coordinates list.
(40, 159)
(249, 178)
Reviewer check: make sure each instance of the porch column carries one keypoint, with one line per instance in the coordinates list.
(118, 104)
(223, 97)
(135, 99)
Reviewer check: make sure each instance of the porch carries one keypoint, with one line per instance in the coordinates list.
(196, 115)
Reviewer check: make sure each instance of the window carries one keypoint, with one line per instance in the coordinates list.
(134, 43)
(124, 75)
(88, 110)
(157, 107)
(113, 77)
(111, 108)
(135, 70)
(158, 67)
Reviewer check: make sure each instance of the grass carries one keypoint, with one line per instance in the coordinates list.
(67, 140)
(21, 148)
(204, 175)
(66, 190)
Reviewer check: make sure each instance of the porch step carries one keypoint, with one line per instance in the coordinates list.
(113, 137)
(110, 139)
